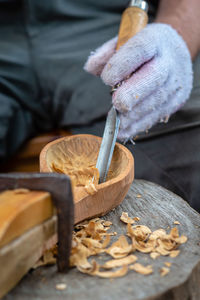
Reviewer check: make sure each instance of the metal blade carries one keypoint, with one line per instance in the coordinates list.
(108, 144)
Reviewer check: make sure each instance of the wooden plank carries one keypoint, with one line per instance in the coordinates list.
(157, 208)
(20, 255)
(21, 210)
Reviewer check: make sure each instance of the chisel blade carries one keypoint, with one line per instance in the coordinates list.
(108, 144)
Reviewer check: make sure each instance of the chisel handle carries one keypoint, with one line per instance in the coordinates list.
(133, 20)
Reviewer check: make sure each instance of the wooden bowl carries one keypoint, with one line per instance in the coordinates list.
(110, 193)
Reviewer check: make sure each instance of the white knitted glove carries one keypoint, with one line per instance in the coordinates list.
(160, 69)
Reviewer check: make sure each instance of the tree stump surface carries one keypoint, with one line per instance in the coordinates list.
(156, 208)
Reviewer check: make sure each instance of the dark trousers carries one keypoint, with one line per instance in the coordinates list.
(173, 161)
(43, 86)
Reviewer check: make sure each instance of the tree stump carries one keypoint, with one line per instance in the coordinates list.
(156, 208)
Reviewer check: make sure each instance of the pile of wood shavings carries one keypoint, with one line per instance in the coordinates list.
(92, 238)
(80, 175)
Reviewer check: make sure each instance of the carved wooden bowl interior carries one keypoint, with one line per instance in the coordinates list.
(81, 151)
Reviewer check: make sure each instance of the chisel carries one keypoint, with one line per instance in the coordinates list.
(133, 20)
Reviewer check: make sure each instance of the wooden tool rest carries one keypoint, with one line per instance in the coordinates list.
(59, 187)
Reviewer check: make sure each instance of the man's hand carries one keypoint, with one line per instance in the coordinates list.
(154, 70)
(158, 66)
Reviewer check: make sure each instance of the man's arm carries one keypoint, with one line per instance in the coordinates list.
(184, 16)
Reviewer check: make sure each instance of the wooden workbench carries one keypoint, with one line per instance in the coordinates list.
(157, 208)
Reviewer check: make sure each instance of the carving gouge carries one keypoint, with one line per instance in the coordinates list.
(133, 20)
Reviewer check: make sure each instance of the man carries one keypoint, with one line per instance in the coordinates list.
(44, 45)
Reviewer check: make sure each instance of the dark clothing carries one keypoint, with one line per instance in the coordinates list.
(173, 161)
(43, 47)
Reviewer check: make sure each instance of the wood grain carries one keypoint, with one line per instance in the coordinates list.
(22, 223)
(157, 208)
(19, 256)
(133, 20)
(20, 211)
(59, 186)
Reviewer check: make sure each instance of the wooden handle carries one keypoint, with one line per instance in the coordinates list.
(133, 20)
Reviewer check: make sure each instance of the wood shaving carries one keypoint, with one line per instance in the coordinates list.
(168, 264)
(90, 188)
(158, 241)
(142, 246)
(120, 248)
(111, 233)
(107, 223)
(174, 253)
(61, 286)
(162, 251)
(91, 243)
(94, 270)
(176, 223)
(118, 273)
(91, 238)
(167, 243)
(144, 270)
(126, 219)
(139, 232)
(106, 241)
(159, 233)
(181, 240)
(139, 196)
(81, 173)
(174, 233)
(154, 255)
(164, 271)
(120, 262)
